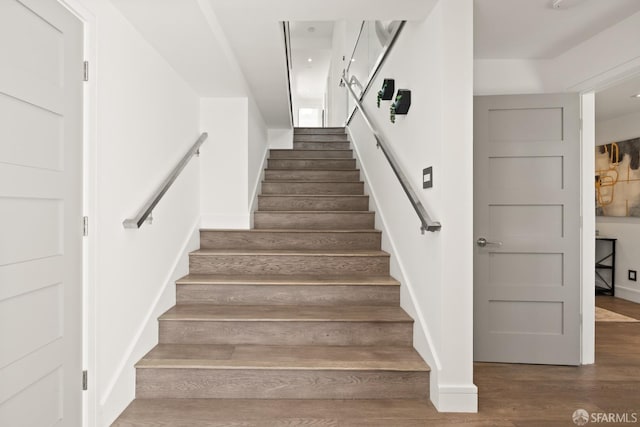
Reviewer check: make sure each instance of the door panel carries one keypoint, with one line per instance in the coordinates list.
(41, 208)
(526, 201)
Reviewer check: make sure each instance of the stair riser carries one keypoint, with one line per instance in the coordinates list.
(343, 164)
(319, 131)
(279, 384)
(321, 145)
(311, 175)
(321, 138)
(210, 239)
(311, 154)
(288, 295)
(310, 203)
(286, 333)
(313, 220)
(313, 188)
(288, 264)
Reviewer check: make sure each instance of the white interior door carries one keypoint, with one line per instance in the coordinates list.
(527, 210)
(40, 214)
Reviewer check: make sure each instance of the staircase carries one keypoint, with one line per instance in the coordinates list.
(295, 322)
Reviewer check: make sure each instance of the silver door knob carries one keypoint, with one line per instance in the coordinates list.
(482, 242)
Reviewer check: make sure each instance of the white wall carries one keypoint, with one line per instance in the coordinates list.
(626, 230)
(258, 142)
(436, 269)
(144, 117)
(232, 161)
(224, 173)
(336, 95)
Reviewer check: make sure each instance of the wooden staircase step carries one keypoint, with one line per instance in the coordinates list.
(314, 358)
(311, 175)
(311, 145)
(284, 314)
(354, 262)
(327, 220)
(319, 131)
(310, 154)
(286, 325)
(278, 413)
(290, 239)
(296, 202)
(327, 137)
(311, 164)
(288, 280)
(312, 188)
(312, 372)
(287, 290)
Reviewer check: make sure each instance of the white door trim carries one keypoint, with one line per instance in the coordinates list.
(89, 162)
(587, 91)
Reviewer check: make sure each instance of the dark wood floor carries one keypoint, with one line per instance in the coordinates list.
(509, 395)
(532, 395)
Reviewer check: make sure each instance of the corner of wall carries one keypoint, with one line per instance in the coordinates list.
(121, 386)
(280, 138)
(257, 186)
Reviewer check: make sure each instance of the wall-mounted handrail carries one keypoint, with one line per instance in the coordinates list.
(144, 213)
(428, 224)
(287, 51)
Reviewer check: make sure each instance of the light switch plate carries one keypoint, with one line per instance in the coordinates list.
(427, 177)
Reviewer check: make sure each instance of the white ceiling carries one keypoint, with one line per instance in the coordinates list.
(533, 29)
(617, 101)
(180, 32)
(229, 47)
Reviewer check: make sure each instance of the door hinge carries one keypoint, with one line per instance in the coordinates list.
(85, 380)
(85, 226)
(86, 71)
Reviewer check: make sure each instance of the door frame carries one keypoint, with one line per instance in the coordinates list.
(587, 90)
(89, 208)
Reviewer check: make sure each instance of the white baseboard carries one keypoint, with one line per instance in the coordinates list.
(226, 221)
(121, 386)
(629, 294)
(455, 398)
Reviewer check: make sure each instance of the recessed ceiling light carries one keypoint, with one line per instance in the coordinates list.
(636, 96)
(311, 29)
(556, 4)
(309, 60)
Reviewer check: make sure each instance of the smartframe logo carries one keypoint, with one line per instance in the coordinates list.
(581, 417)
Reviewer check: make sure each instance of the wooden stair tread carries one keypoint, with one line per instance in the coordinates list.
(281, 412)
(306, 169)
(285, 313)
(317, 212)
(315, 159)
(273, 279)
(316, 195)
(291, 230)
(315, 181)
(286, 357)
(307, 149)
(286, 252)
